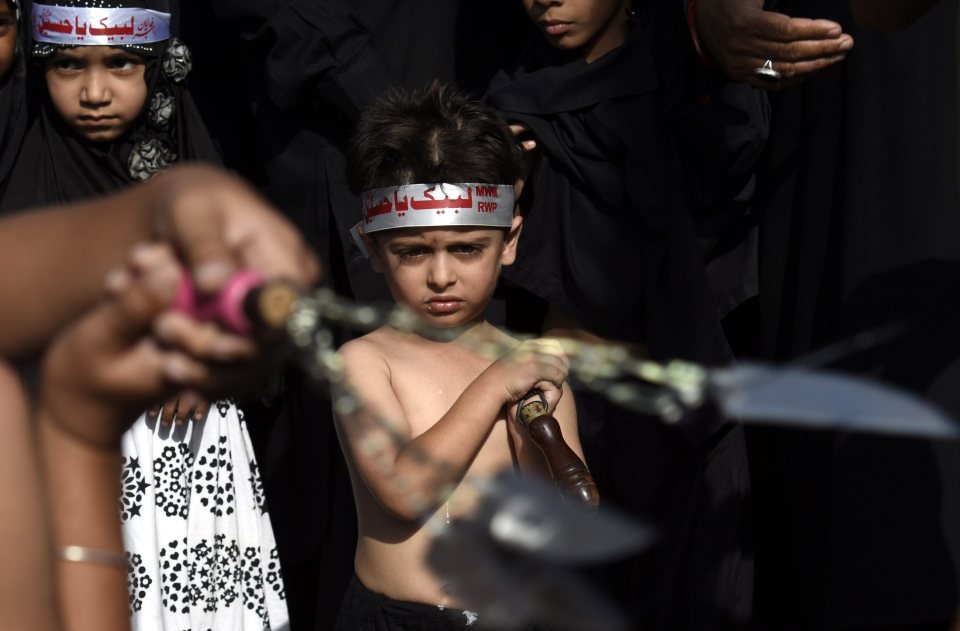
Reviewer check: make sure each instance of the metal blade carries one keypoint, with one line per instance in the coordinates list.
(530, 516)
(511, 559)
(790, 395)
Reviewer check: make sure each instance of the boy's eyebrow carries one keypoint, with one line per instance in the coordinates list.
(481, 240)
(406, 242)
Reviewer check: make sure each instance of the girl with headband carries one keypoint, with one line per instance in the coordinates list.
(113, 110)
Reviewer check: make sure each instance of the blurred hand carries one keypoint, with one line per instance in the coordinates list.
(180, 409)
(219, 225)
(740, 36)
(104, 370)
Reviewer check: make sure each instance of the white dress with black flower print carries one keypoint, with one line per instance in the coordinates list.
(196, 529)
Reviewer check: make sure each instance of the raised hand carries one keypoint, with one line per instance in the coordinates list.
(740, 36)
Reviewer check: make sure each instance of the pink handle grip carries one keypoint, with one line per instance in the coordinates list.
(226, 307)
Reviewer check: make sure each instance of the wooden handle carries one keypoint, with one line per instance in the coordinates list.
(569, 472)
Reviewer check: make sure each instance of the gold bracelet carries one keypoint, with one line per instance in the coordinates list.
(83, 554)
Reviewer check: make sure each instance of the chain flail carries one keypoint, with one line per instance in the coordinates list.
(663, 389)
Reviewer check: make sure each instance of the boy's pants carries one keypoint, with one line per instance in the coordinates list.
(364, 610)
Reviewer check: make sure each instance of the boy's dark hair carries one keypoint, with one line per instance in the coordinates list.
(432, 134)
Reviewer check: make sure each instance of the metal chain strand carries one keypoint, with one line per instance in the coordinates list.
(597, 366)
(665, 390)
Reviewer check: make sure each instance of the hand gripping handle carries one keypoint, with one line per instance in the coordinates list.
(569, 472)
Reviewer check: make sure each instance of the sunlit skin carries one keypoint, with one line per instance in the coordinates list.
(98, 90)
(447, 275)
(8, 37)
(593, 27)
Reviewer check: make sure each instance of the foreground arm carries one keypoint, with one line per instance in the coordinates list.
(97, 376)
(409, 475)
(27, 598)
(57, 258)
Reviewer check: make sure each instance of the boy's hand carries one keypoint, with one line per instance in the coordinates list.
(539, 364)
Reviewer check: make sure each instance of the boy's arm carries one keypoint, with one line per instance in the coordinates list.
(409, 475)
(566, 415)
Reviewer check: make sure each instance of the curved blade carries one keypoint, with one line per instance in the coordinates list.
(761, 394)
(529, 516)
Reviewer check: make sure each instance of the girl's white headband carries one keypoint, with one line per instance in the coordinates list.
(86, 26)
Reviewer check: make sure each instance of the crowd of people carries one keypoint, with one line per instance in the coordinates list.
(706, 180)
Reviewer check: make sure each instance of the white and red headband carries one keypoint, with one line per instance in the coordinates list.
(436, 205)
(87, 26)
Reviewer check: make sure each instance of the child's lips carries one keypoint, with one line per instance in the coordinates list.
(444, 304)
(555, 27)
(97, 121)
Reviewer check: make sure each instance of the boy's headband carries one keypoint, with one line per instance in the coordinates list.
(437, 205)
(86, 26)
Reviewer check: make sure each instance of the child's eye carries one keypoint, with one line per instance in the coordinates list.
(67, 64)
(122, 63)
(407, 254)
(466, 249)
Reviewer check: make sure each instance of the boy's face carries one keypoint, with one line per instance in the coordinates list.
(98, 90)
(8, 37)
(446, 275)
(597, 26)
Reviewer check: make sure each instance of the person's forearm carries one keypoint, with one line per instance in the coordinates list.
(83, 489)
(889, 14)
(26, 564)
(69, 250)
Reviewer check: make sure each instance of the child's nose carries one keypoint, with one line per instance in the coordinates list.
(95, 91)
(441, 273)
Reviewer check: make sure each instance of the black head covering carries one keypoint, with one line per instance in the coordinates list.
(13, 116)
(56, 165)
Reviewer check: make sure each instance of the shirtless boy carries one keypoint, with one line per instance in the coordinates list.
(434, 415)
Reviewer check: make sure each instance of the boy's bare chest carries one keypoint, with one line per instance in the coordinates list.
(428, 384)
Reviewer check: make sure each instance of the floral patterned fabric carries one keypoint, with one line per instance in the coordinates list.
(196, 528)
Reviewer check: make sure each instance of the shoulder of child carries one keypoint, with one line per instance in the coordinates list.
(366, 359)
(365, 348)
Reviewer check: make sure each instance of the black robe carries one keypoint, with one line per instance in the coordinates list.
(861, 221)
(640, 229)
(13, 113)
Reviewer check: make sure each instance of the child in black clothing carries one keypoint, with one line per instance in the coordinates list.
(638, 235)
